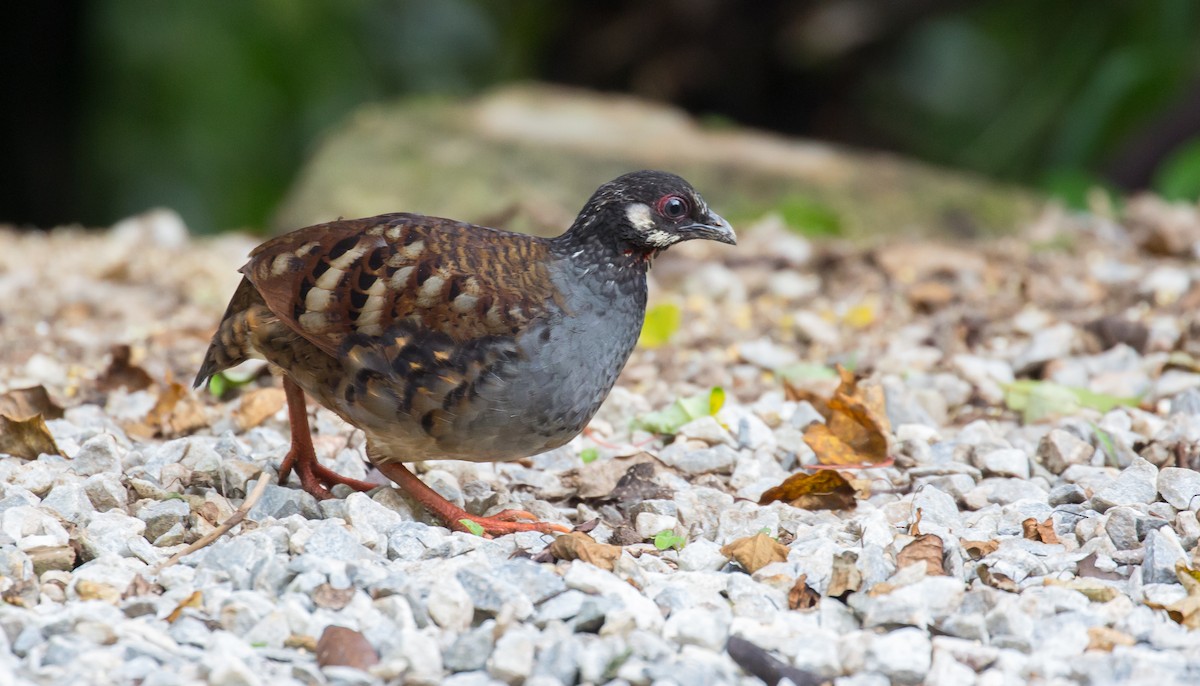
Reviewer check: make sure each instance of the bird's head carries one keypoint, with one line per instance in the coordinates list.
(645, 212)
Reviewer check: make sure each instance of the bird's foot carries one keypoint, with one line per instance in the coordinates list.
(315, 478)
(506, 522)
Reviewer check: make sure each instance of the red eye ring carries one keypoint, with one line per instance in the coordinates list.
(673, 206)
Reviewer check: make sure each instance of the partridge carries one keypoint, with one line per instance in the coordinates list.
(445, 340)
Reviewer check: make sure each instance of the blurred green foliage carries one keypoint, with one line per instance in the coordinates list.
(1041, 92)
(211, 108)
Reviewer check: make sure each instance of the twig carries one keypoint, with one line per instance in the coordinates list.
(234, 519)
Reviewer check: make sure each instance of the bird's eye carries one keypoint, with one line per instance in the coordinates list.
(672, 207)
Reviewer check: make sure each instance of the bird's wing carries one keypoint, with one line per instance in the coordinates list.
(363, 278)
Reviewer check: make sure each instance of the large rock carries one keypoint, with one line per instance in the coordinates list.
(527, 157)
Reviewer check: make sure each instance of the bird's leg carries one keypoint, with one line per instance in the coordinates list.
(452, 515)
(315, 478)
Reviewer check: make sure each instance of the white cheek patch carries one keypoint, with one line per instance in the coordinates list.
(660, 239)
(638, 215)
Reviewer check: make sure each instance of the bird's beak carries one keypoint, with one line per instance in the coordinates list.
(714, 228)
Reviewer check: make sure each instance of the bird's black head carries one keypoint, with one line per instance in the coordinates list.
(645, 212)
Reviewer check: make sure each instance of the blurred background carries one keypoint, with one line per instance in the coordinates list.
(212, 108)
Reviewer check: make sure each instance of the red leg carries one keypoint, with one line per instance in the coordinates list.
(452, 515)
(315, 478)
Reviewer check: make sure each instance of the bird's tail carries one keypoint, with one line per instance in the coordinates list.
(231, 344)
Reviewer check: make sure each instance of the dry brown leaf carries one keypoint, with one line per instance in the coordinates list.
(855, 432)
(1105, 638)
(978, 549)
(26, 437)
(331, 598)
(140, 586)
(755, 552)
(580, 546)
(257, 405)
(176, 412)
(802, 596)
(825, 490)
(926, 548)
(22, 403)
(1095, 590)
(1186, 610)
(121, 373)
(845, 577)
(914, 529)
(196, 599)
(997, 580)
(1040, 531)
(87, 589)
(345, 648)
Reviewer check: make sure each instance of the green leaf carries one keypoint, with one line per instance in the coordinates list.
(473, 527)
(809, 217)
(662, 321)
(589, 455)
(669, 419)
(1036, 400)
(225, 381)
(716, 400)
(1179, 176)
(669, 539)
(1107, 445)
(806, 371)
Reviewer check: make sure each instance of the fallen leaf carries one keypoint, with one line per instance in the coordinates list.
(755, 552)
(1095, 590)
(87, 589)
(997, 580)
(1087, 567)
(26, 438)
(1040, 531)
(196, 599)
(802, 596)
(21, 403)
(825, 490)
(140, 586)
(343, 647)
(845, 577)
(855, 433)
(257, 405)
(978, 549)
(331, 598)
(176, 412)
(120, 373)
(580, 546)
(668, 420)
(1105, 638)
(1037, 400)
(926, 548)
(914, 529)
(1186, 610)
(301, 642)
(661, 322)
(669, 539)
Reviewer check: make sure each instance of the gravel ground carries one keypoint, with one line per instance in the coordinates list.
(1036, 523)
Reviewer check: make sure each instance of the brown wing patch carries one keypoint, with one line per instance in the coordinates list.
(362, 275)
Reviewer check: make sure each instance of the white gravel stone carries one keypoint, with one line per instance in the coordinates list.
(1136, 484)
(1162, 552)
(1180, 487)
(1005, 462)
(904, 655)
(512, 660)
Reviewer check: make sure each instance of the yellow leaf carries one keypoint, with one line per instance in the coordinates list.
(579, 546)
(662, 321)
(26, 438)
(755, 552)
(824, 490)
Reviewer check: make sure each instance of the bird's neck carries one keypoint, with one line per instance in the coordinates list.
(603, 262)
